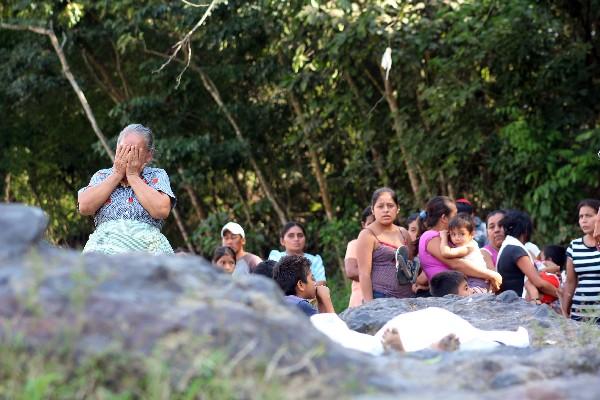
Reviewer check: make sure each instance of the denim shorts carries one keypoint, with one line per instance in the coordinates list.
(379, 295)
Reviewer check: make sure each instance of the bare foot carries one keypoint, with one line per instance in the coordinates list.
(448, 343)
(391, 340)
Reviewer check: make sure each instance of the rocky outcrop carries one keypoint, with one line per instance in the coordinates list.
(185, 310)
(506, 311)
(561, 350)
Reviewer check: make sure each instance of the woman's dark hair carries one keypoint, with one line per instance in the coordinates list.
(265, 268)
(412, 217)
(223, 251)
(592, 203)
(436, 207)
(379, 192)
(289, 226)
(495, 212)
(516, 224)
(367, 212)
(413, 247)
(462, 220)
(463, 206)
(557, 254)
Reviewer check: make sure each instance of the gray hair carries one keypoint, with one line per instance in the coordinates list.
(141, 130)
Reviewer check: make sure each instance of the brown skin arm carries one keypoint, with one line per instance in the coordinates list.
(324, 303)
(421, 283)
(350, 262)
(532, 292)
(433, 247)
(526, 266)
(351, 268)
(569, 289)
(550, 267)
(489, 263)
(449, 252)
(364, 256)
(92, 198)
(596, 233)
(156, 203)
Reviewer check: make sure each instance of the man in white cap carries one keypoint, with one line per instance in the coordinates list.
(233, 235)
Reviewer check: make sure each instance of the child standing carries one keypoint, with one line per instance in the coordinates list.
(462, 232)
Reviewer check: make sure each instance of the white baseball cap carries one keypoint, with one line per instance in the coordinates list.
(234, 228)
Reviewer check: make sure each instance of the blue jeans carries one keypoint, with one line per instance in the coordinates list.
(379, 295)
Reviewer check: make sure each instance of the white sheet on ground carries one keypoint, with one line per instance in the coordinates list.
(337, 330)
(419, 330)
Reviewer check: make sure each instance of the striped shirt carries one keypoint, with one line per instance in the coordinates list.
(586, 263)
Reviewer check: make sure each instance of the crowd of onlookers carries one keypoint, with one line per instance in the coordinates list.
(444, 248)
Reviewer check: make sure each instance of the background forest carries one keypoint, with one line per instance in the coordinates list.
(285, 113)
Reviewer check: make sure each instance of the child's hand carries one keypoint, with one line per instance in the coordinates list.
(324, 303)
(495, 280)
(416, 287)
(323, 293)
(444, 236)
(550, 267)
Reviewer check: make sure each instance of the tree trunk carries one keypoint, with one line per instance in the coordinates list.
(243, 200)
(7, 180)
(81, 96)
(184, 233)
(397, 124)
(314, 158)
(200, 215)
(316, 166)
(101, 77)
(214, 92)
(212, 89)
(364, 108)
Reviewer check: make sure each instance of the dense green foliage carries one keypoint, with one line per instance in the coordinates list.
(497, 101)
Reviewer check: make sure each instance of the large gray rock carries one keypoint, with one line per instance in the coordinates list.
(179, 306)
(185, 310)
(20, 228)
(561, 349)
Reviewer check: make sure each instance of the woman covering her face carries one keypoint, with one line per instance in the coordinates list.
(130, 200)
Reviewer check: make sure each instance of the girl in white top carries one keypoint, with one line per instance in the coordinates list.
(462, 231)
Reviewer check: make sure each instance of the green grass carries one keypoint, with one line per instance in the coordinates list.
(49, 373)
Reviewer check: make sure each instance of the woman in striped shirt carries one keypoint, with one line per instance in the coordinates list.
(581, 294)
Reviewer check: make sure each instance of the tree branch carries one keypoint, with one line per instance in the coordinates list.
(120, 71)
(215, 94)
(88, 60)
(67, 73)
(186, 42)
(31, 28)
